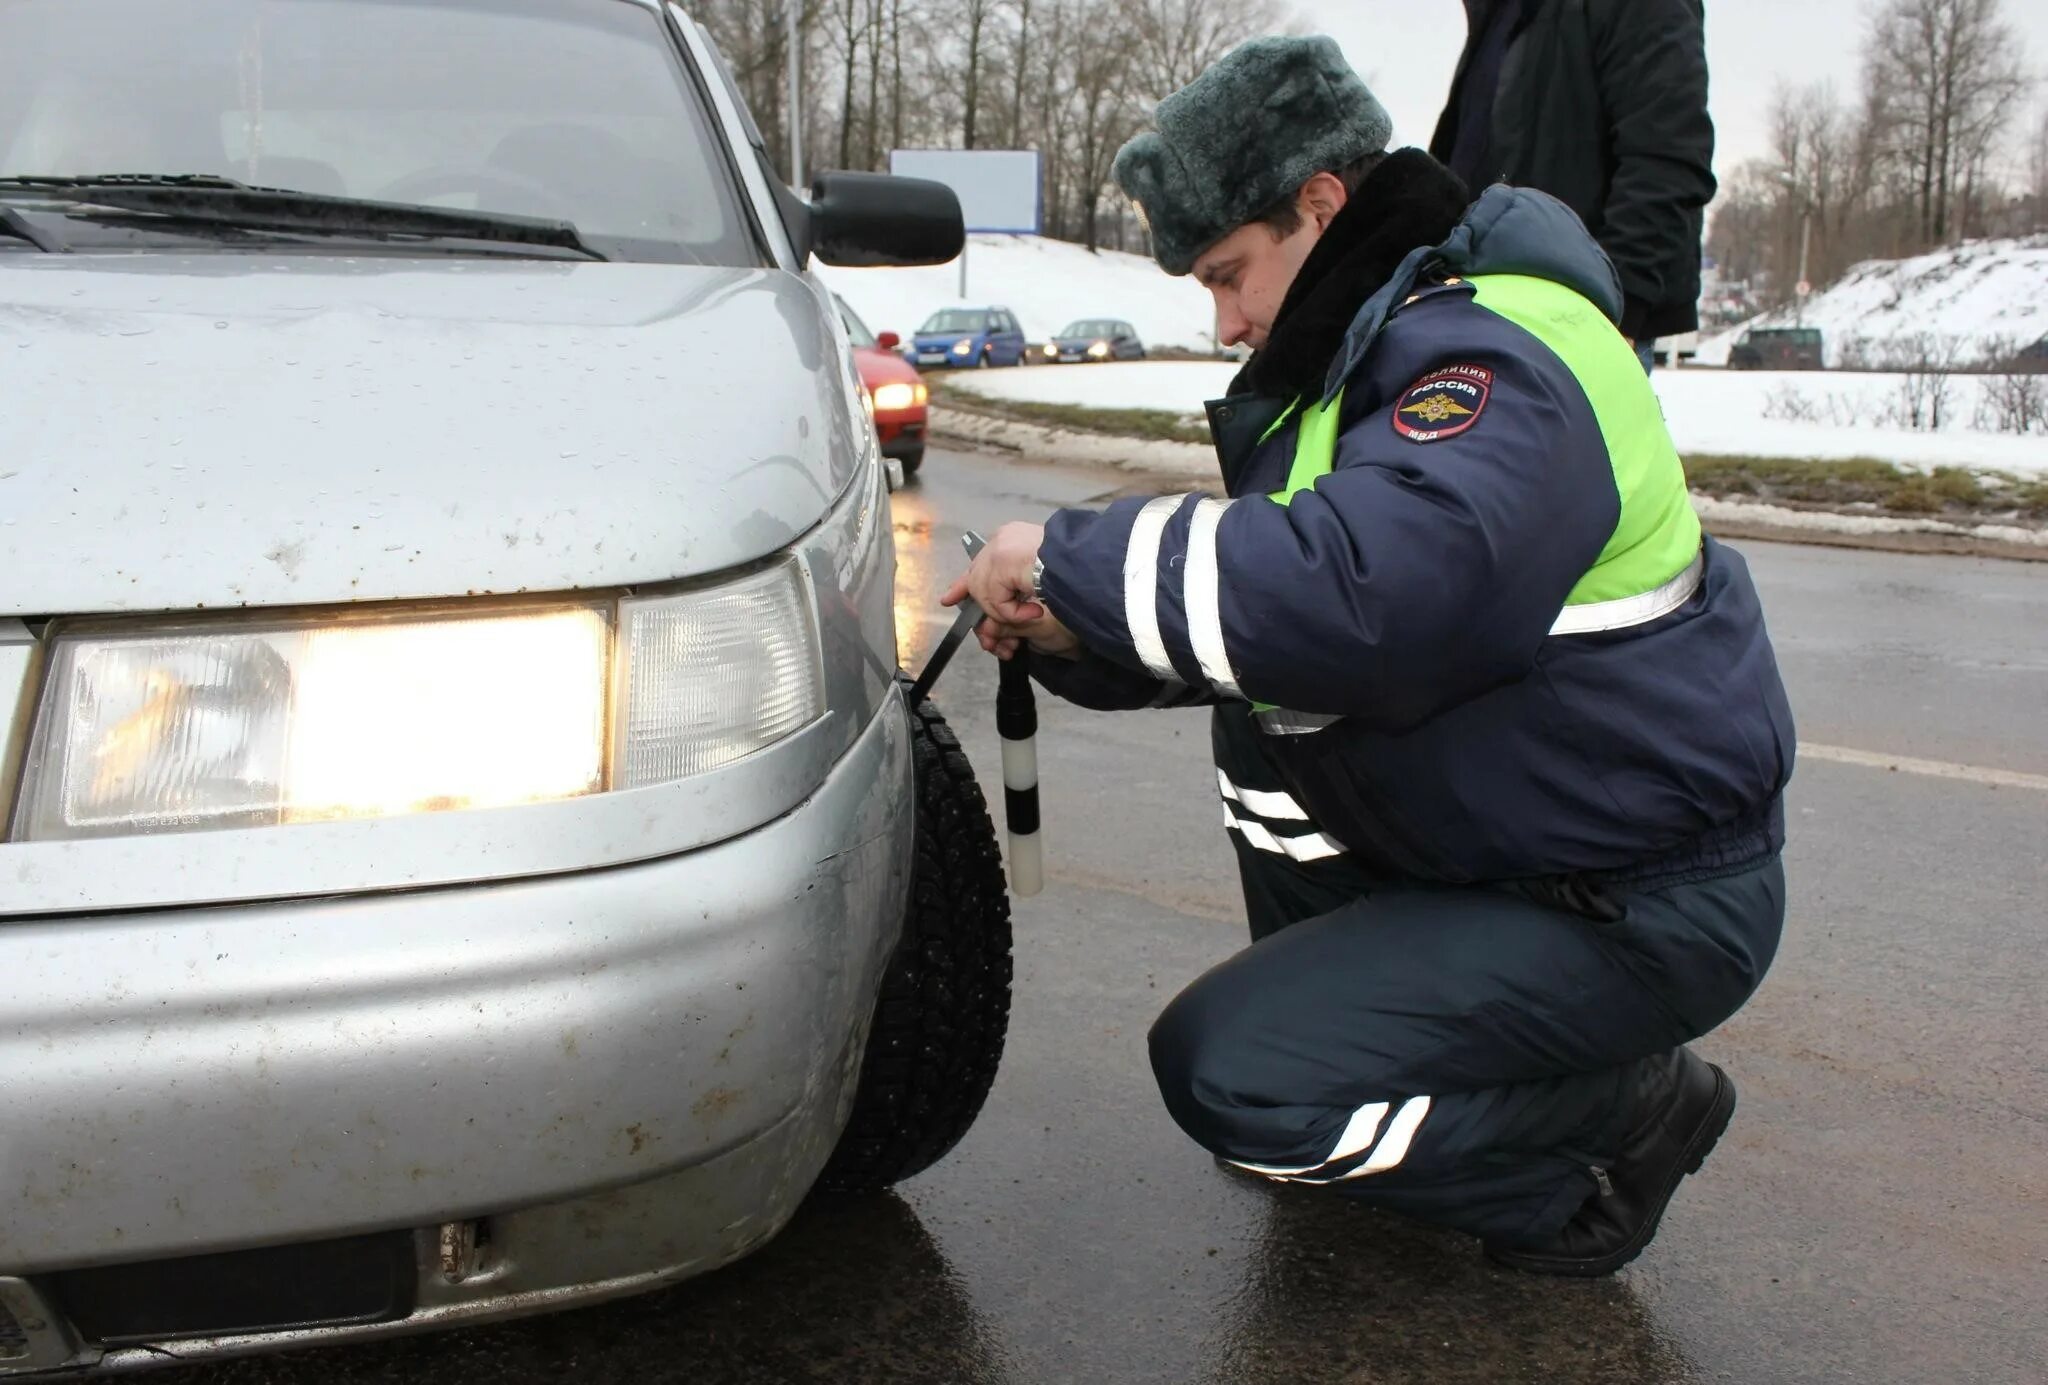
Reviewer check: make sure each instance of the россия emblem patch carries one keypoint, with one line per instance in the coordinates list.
(1443, 403)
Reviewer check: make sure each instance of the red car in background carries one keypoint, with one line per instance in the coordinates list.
(900, 397)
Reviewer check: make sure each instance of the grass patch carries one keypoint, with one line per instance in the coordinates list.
(1854, 483)
(2032, 497)
(1865, 482)
(1162, 425)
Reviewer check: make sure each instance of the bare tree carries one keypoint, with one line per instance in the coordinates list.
(871, 127)
(1948, 74)
(974, 16)
(896, 74)
(752, 36)
(2013, 398)
(2037, 173)
(1106, 114)
(1823, 179)
(1072, 79)
(1020, 65)
(1056, 50)
(847, 32)
(1178, 40)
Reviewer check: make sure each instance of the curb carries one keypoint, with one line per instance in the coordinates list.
(1182, 463)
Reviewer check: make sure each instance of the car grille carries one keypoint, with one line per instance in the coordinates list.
(360, 1279)
(13, 1341)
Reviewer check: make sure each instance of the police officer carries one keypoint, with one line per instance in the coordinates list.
(1499, 733)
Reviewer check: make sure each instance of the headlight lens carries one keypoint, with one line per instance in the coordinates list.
(248, 724)
(897, 394)
(963, 348)
(711, 676)
(1051, 350)
(1099, 349)
(243, 724)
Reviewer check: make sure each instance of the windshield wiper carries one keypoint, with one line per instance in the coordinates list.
(209, 200)
(15, 224)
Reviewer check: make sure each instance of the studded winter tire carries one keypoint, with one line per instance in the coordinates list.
(944, 1009)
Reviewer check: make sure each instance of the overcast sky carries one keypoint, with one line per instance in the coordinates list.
(1408, 49)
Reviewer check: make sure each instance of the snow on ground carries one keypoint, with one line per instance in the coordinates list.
(1177, 386)
(1046, 283)
(1707, 410)
(1724, 411)
(1978, 292)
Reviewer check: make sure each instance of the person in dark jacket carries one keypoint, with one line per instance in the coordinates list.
(1499, 734)
(1603, 105)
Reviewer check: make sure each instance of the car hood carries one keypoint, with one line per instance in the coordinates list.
(945, 338)
(879, 367)
(237, 430)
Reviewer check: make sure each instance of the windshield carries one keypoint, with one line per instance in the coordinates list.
(571, 110)
(955, 320)
(856, 331)
(1092, 328)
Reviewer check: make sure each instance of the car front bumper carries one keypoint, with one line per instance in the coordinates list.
(618, 1077)
(901, 431)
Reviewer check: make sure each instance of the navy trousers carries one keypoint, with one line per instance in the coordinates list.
(1463, 1056)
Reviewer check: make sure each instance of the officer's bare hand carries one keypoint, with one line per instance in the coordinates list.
(1045, 636)
(999, 579)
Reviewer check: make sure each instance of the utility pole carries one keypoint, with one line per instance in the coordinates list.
(796, 101)
(1805, 285)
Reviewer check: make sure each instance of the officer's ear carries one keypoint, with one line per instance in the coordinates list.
(1321, 198)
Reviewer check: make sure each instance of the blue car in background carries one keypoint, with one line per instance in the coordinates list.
(1096, 339)
(978, 337)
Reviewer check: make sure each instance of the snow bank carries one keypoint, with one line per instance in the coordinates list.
(1724, 411)
(1978, 292)
(1177, 386)
(1707, 410)
(1046, 283)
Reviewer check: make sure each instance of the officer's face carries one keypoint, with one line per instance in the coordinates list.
(1249, 271)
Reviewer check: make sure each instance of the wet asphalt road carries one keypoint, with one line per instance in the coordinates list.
(1878, 1211)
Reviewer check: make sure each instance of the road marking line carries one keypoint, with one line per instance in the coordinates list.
(1934, 769)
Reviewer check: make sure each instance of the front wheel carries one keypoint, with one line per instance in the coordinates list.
(944, 1009)
(911, 459)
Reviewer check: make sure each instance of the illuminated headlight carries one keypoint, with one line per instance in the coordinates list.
(1051, 350)
(242, 723)
(963, 348)
(898, 394)
(1099, 350)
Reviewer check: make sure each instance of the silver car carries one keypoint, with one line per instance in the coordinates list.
(465, 850)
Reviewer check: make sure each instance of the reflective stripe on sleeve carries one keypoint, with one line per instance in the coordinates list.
(1202, 596)
(1141, 584)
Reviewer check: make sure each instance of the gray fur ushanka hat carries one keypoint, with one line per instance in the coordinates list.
(1265, 119)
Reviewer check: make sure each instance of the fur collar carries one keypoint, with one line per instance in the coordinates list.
(1409, 200)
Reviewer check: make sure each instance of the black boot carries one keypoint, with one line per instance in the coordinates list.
(1688, 1104)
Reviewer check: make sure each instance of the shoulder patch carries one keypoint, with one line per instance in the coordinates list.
(1443, 403)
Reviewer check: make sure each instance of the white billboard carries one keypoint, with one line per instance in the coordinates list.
(998, 188)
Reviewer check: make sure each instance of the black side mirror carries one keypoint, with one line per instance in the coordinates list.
(866, 219)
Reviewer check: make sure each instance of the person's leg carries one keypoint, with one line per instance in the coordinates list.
(1283, 858)
(1646, 352)
(1464, 1056)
